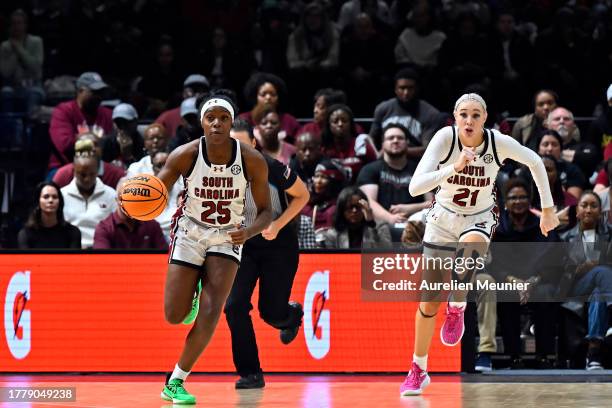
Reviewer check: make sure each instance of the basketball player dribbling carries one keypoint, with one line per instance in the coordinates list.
(207, 229)
(462, 162)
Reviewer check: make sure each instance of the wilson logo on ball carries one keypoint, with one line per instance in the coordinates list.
(137, 191)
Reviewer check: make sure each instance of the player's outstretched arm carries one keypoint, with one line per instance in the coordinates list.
(510, 148)
(427, 176)
(257, 169)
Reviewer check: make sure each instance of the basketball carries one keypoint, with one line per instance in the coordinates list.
(143, 197)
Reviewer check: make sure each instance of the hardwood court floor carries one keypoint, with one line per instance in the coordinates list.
(317, 392)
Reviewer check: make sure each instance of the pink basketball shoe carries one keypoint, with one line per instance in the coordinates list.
(453, 327)
(415, 381)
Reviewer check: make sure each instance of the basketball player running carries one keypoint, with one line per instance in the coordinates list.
(462, 162)
(207, 230)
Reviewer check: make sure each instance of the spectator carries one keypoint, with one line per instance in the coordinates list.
(155, 140)
(571, 177)
(511, 57)
(119, 231)
(354, 225)
(193, 86)
(365, 61)
(341, 141)
(269, 128)
(21, 63)
(308, 155)
(605, 196)
(420, 118)
(600, 132)
(160, 84)
(88, 143)
(190, 127)
(313, 51)
(264, 91)
(224, 61)
(322, 100)
(420, 44)
(588, 272)
(518, 224)
(528, 127)
(46, 227)
(385, 181)
(88, 200)
(124, 146)
(583, 155)
(328, 180)
(83, 114)
(351, 9)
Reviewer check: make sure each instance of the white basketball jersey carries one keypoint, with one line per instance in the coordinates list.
(471, 191)
(215, 193)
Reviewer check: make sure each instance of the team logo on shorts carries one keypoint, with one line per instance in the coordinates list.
(236, 249)
(481, 224)
(235, 169)
(488, 158)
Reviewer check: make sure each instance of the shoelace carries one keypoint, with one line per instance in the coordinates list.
(413, 376)
(177, 388)
(453, 314)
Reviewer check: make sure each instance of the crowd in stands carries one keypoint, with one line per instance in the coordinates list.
(116, 101)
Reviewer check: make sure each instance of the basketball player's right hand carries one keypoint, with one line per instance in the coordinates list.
(468, 155)
(549, 220)
(239, 235)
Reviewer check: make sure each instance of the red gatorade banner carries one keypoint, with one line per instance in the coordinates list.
(89, 312)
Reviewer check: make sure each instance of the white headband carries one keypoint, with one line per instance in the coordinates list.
(470, 97)
(211, 103)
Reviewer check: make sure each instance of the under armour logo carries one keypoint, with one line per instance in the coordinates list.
(218, 169)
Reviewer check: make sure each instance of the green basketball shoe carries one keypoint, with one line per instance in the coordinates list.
(195, 305)
(175, 391)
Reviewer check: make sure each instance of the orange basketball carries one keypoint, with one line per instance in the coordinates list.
(143, 197)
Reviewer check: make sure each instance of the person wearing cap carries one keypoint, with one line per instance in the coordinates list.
(79, 115)
(420, 118)
(125, 145)
(193, 86)
(190, 127)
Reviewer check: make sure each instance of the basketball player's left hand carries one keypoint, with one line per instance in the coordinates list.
(271, 232)
(239, 235)
(548, 221)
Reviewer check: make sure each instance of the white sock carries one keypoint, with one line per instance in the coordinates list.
(420, 361)
(178, 373)
(458, 304)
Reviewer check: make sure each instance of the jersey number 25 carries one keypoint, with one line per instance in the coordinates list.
(220, 207)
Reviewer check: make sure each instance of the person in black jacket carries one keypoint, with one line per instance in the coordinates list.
(272, 258)
(46, 227)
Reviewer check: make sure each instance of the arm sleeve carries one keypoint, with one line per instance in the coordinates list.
(427, 176)
(509, 148)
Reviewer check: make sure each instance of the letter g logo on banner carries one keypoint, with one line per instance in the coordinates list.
(17, 320)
